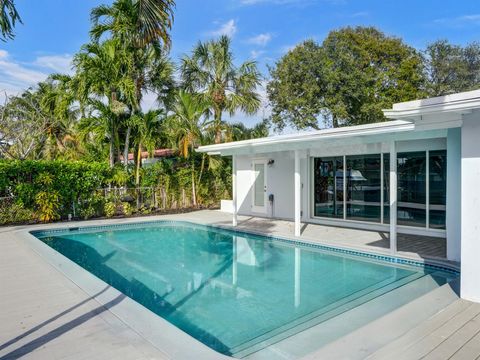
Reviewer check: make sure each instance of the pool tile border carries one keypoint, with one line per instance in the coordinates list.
(303, 243)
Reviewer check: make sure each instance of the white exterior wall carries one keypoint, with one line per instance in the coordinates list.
(470, 209)
(454, 169)
(280, 183)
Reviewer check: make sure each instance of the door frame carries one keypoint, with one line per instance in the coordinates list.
(259, 209)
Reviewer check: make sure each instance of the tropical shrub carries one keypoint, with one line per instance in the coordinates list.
(15, 213)
(127, 208)
(110, 209)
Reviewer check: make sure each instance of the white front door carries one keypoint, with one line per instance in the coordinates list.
(259, 200)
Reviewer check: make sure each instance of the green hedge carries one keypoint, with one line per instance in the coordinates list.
(71, 183)
(50, 190)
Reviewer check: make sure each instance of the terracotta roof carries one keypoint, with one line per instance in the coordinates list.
(157, 153)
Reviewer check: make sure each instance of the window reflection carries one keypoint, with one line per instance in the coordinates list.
(411, 172)
(438, 188)
(328, 187)
(363, 187)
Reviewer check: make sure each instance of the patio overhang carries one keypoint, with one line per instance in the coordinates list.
(447, 123)
(312, 139)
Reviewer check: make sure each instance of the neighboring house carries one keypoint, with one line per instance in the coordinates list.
(418, 173)
(148, 158)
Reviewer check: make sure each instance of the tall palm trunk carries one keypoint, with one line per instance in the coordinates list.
(127, 146)
(194, 189)
(137, 168)
(111, 155)
(217, 124)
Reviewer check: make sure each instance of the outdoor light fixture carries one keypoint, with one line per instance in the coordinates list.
(270, 162)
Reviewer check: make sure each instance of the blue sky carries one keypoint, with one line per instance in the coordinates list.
(263, 30)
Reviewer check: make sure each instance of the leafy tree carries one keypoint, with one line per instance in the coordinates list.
(353, 75)
(210, 72)
(452, 68)
(40, 122)
(296, 88)
(8, 18)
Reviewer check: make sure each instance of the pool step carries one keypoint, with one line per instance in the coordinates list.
(333, 310)
(320, 315)
(320, 337)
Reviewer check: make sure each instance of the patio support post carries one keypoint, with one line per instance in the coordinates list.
(234, 190)
(393, 197)
(297, 277)
(297, 193)
(234, 262)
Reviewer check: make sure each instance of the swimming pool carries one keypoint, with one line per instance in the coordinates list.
(236, 292)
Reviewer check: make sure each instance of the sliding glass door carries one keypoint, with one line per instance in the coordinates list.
(421, 179)
(412, 189)
(364, 187)
(328, 187)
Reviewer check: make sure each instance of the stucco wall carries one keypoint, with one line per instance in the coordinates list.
(280, 183)
(470, 205)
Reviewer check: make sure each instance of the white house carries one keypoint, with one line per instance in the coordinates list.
(418, 173)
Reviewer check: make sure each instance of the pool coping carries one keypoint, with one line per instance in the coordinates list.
(428, 263)
(165, 336)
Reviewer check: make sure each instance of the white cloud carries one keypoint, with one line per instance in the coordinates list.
(286, 48)
(58, 63)
(360, 14)
(278, 2)
(255, 54)
(459, 21)
(290, 2)
(229, 28)
(17, 76)
(260, 39)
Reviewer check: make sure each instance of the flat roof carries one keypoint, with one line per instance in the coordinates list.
(347, 131)
(460, 103)
(406, 116)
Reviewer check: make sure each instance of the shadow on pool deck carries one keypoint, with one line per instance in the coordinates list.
(55, 333)
(52, 319)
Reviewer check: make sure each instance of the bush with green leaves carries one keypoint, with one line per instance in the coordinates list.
(15, 214)
(127, 208)
(110, 209)
(54, 189)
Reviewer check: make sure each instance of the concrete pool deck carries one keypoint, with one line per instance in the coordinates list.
(45, 315)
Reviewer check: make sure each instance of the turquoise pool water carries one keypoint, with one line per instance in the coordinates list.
(231, 290)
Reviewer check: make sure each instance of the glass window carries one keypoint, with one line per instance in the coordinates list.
(411, 172)
(259, 186)
(363, 187)
(438, 188)
(386, 188)
(328, 187)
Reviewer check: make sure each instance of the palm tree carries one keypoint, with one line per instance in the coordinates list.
(147, 134)
(142, 27)
(56, 102)
(8, 18)
(134, 22)
(210, 71)
(105, 70)
(102, 125)
(187, 128)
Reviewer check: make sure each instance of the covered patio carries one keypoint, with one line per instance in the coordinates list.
(410, 246)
